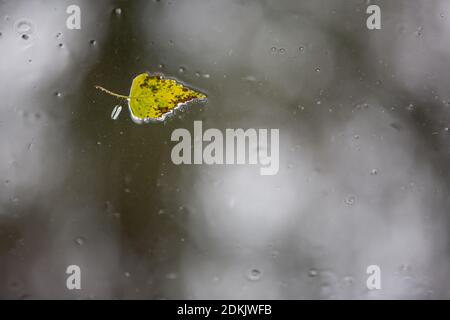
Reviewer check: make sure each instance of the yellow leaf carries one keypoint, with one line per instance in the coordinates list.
(154, 97)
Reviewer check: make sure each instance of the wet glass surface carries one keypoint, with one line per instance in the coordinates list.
(364, 121)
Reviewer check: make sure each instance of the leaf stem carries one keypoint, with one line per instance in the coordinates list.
(112, 93)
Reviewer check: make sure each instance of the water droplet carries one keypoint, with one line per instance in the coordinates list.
(116, 112)
(317, 70)
(356, 137)
(24, 26)
(419, 31)
(206, 76)
(181, 69)
(118, 11)
(79, 241)
(312, 273)
(301, 49)
(127, 274)
(273, 49)
(374, 172)
(197, 74)
(59, 34)
(25, 36)
(92, 42)
(57, 94)
(160, 66)
(282, 50)
(254, 274)
(60, 45)
(350, 200)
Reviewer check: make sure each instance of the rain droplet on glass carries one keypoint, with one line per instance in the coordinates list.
(116, 112)
(254, 274)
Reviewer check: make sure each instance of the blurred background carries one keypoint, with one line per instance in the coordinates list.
(364, 175)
